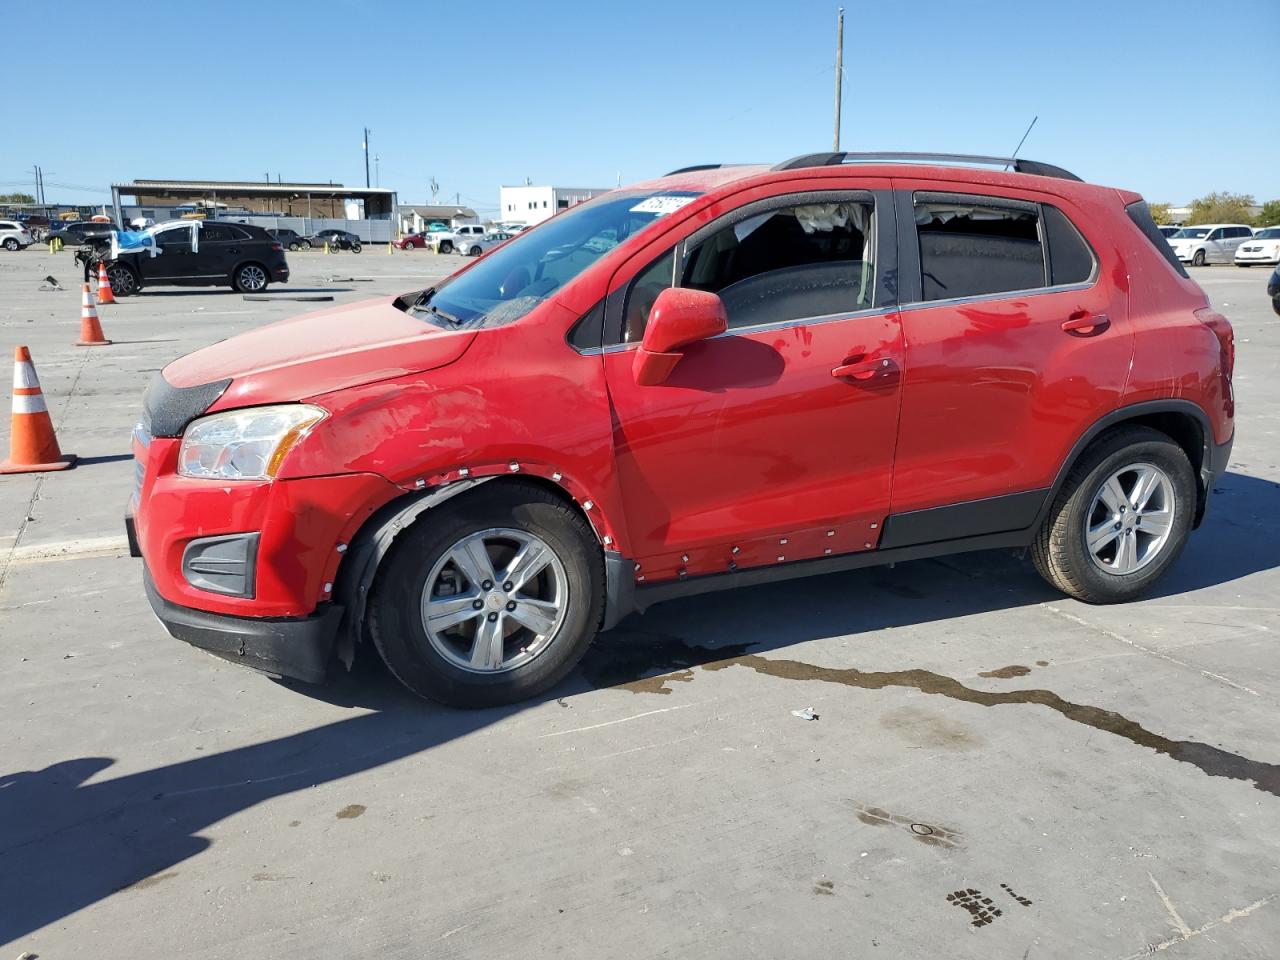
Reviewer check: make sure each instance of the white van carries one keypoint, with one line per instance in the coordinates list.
(1209, 242)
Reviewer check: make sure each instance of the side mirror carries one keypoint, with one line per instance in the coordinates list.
(679, 317)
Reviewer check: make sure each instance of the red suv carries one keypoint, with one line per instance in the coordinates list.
(725, 376)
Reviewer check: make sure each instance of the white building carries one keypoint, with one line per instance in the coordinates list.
(530, 205)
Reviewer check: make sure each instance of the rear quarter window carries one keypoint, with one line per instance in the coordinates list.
(1070, 258)
(1141, 217)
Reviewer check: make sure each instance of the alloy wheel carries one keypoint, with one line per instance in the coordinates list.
(252, 277)
(495, 600)
(1130, 519)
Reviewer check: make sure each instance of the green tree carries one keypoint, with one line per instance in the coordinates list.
(1160, 212)
(17, 198)
(1221, 207)
(1269, 215)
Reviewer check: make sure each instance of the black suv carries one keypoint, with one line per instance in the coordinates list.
(80, 233)
(337, 239)
(290, 238)
(244, 256)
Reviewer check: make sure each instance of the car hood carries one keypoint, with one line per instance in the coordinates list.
(319, 352)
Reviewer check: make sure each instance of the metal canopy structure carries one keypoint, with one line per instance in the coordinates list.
(290, 199)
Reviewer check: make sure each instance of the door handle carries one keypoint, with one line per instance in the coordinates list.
(863, 370)
(1086, 323)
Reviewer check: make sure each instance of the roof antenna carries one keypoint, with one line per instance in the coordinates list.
(1022, 141)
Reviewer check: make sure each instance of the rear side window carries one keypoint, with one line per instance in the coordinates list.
(970, 249)
(1070, 259)
(216, 232)
(1141, 217)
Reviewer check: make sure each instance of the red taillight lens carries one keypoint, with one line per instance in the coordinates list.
(277, 247)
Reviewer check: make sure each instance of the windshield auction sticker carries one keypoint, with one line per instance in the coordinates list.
(661, 205)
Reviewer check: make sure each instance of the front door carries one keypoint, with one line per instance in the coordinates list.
(174, 263)
(774, 442)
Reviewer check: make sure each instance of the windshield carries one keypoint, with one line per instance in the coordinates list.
(1271, 233)
(525, 271)
(1191, 233)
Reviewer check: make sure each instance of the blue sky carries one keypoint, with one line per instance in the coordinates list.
(1166, 97)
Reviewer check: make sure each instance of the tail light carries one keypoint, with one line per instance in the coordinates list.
(1221, 328)
(278, 248)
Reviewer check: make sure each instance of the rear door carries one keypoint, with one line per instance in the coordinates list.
(773, 442)
(1016, 340)
(1215, 246)
(219, 249)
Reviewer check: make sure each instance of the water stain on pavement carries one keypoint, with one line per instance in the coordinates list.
(1006, 673)
(152, 880)
(351, 811)
(1209, 759)
(825, 888)
(646, 662)
(929, 833)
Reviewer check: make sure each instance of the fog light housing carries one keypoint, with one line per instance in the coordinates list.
(224, 564)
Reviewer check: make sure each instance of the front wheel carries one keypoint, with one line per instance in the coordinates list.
(11, 244)
(250, 278)
(1198, 259)
(490, 599)
(124, 282)
(475, 251)
(356, 248)
(1121, 518)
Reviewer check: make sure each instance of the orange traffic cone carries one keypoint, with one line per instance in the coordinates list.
(104, 285)
(90, 328)
(33, 446)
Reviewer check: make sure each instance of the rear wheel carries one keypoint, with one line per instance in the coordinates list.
(490, 600)
(11, 244)
(250, 278)
(1121, 518)
(475, 251)
(294, 246)
(1198, 259)
(124, 282)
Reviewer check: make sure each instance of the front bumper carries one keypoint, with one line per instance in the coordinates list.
(295, 647)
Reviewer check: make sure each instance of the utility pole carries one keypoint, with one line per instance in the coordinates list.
(839, 71)
(366, 156)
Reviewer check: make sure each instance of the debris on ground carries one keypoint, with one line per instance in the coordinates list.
(50, 283)
(805, 714)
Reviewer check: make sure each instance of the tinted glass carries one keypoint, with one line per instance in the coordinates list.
(1140, 214)
(810, 260)
(216, 232)
(969, 250)
(1270, 233)
(1070, 259)
(174, 237)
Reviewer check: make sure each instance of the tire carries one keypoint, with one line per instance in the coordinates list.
(294, 247)
(305, 244)
(124, 282)
(1060, 552)
(1275, 305)
(476, 251)
(1197, 259)
(356, 248)
(11, 244)
(1246, 265)
(439, 666)
(446, 246)
(250, 278)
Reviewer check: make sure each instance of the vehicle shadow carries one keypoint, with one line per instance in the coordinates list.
(69, 838)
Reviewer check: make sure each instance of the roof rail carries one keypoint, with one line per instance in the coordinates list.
(835, 159)
(696, 166)
(705, 166)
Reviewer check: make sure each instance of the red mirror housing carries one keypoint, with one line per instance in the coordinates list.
(679, 317)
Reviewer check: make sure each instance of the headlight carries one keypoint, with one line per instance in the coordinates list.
(245, 444)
